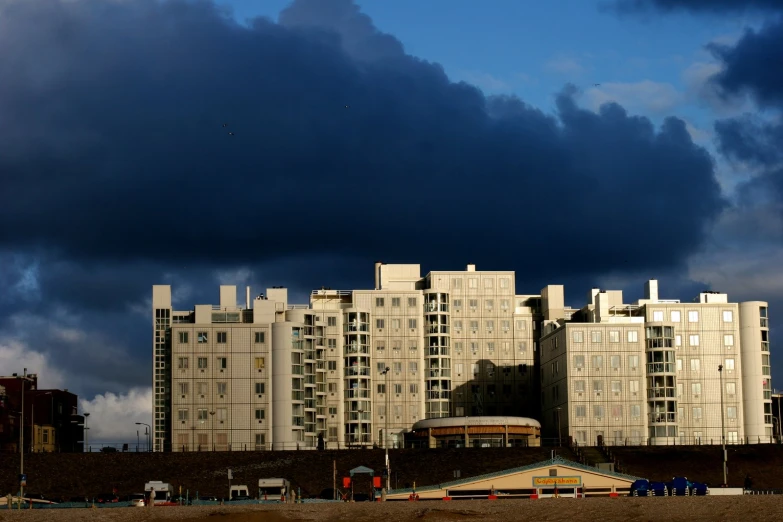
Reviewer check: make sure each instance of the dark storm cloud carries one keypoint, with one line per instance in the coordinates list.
(715, 6)
(750, 139)
(113, 148)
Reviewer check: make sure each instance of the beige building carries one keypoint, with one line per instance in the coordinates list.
(361, 367)
(657, 371)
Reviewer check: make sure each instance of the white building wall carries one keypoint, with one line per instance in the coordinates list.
(756, 379)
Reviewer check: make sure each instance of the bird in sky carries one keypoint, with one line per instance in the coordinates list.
(230, 133)
(225, 125)
(347, 106)
(596, 84)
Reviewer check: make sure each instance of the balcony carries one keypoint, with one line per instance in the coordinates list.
(357, 394)
(662, 417)
(357, 371)
(437, 395)
(353, 327)
(357, 348)
(437, 329)
(660, 367)
(431, 308)
(658, 393)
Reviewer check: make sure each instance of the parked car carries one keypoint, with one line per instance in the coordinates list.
(242, 497)
(136, 499)
(108, 449)
(640, 488)
(106, 498)
(679, 486)
(659, 489)
(699, 488)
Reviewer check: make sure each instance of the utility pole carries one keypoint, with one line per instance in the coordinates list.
(386, 426)
(21, 442)
(722, 428)
(334, 480)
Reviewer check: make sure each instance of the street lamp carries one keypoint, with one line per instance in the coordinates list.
(21, 438)
(722, 436)
(86, 432)
(559, 438)
(148, 434)
(212, 428)
(360, 411)
(385, 373)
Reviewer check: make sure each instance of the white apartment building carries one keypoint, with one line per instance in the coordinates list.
(355, 367)
(656, 372)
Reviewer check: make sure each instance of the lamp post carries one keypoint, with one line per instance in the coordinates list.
(385, 373)
(559, 438)
(722, 436)
(146, 433)
(21, 439)
(86, 432)
(360, 411)
(212, 428)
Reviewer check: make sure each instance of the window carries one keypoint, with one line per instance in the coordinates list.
(331, 343)
(412, 346)
(202, 337)
(729, 364)
(679, 365)
(260, 337)
(581, 411)
(412, 302)
(614, 336)
(221, 388)
(617, 386)
(504, 282)
(183, 388)
(522, 325)
(379, 302)
(658, 315)
(675, 316)
(395, 323)
(202, 363)
(260, 388)
(696, 389)
(474, 348)
(182, 414)
(381, 366)
(411, 323)
(221, 337)
(615, 361)
(473, 303)
(633, 336)
(395, 302)
(579, 361)
(332, 387)
(579, 386)
(731, 388)
(331, 365)
(182, 363)
(598, 386)
(693, 316)
(617, 410)
(595, 336)
(490, 326)
(489, 304)
(413, 388)
(728, 340)
(679, 391)
(696, 413)
(598, 411)
(398, 388)
(731, 412)
(397, 367)
(633, 387)
(456, 283)
(633, 361)
(413, 366)
(474, 326)
(183, 337)
(331, 321)
(598, 361)
(693, 340)
(732, 437)
(578, 336)
(260, 414)
(678, 340)
(695, 365)
(457, 304)
(505, 304)
(380, 345)
(522, 346)
(396, 346)
(489, 283)
(472, 282)
(379, 323)
(728, 316)
(259, 363)
(203, 388)
(222, 363)
(505, 325)
(222, 414)
(381, 388)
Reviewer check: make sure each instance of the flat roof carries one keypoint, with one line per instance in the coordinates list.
(445, 422)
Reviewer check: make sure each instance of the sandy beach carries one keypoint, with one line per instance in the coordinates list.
(642, 509)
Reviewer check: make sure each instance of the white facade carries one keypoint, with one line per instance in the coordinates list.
(361, 367)
(657, 371)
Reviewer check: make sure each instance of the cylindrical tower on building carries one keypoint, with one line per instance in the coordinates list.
(356, 358)
(288, 390)
(437, 357)
(756, 379)
(661, 374)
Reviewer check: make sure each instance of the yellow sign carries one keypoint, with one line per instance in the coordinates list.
(550, 482)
